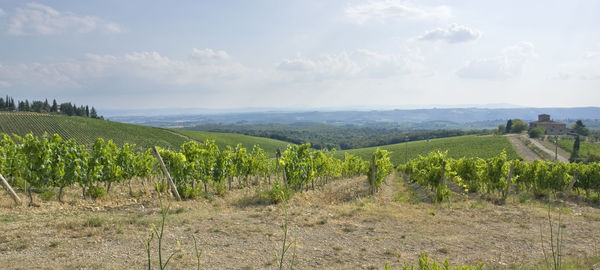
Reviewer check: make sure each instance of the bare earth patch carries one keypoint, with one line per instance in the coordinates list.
(337, 226)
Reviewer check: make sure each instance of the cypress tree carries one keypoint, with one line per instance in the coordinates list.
(54, 107)
(93, 113)
(508, 126)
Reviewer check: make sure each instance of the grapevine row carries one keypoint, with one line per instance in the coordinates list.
(498, 174)
(51, 161)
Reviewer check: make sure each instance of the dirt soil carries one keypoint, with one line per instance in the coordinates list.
(337, 226)
(522, 150)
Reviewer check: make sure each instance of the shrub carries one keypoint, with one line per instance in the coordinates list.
(94, 222)
(277, 193)
(47, 195)
(161, 187)
(189, 192)
(96, 192)
(536, 132)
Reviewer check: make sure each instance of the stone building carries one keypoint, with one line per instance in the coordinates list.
(552, 127)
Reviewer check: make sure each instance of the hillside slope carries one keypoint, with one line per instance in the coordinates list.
(86, 130)
(222, 139)
(457, 147)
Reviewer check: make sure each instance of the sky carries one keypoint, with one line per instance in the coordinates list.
(302, 54)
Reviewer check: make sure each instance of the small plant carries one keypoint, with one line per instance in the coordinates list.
(425, 263)
(196, 252)
(94, 222)
(160, 187)
(281, 257)
(47, 195)
(96, 192)
(189, 192)
(277, 193)
(524, 197)
(158, 232)
(553, 258)
(164, 212)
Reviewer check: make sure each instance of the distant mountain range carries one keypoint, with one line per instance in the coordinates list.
(440, 117)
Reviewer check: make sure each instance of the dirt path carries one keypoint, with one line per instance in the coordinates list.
(523, 151)
(550, 152)
(182, 135)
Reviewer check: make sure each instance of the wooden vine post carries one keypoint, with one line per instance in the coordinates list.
(164, 169)
(567, 192)
(8, 188)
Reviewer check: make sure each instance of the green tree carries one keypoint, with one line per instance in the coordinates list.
(509, 124)
(54, 107)
(518, 126)
(575, 153)
(501, 129)
(536, 132)
(580, 128)
(93, 113)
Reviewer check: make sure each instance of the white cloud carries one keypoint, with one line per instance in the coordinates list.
(389, 9)
(4, 84)
(2, 12)
(209, 55)
(137, 66)
(347, 66)
(454, 33)
(39, 19)
(509, 64)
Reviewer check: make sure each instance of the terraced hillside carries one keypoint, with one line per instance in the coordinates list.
(86, 130)
(463, 146)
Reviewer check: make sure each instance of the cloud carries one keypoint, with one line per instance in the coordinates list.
(2, 12)
(507, 65)
(150, 67)
(209, 55)
(349, 65)
(389, 10)
(454, 33)
(4, 84)
(39, 19)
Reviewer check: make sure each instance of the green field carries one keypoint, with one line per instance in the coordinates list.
(86, 130)
(585, 148)
(463, 146)
(222, 139)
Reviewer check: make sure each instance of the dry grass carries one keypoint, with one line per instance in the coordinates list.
(337, 226)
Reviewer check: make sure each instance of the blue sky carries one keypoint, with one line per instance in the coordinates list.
(301, 54)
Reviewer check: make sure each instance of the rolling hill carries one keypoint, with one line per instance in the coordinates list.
(86, 130)
(462, 146)
(222, 139)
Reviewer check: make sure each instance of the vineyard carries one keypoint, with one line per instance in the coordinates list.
(270, 146)
(457, 147)
(86, 130)
(40, 163)
(499, 176)
(585, 148)
(226, 191)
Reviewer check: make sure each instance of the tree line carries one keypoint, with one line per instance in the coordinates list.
(323, 136)
(67, 108)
